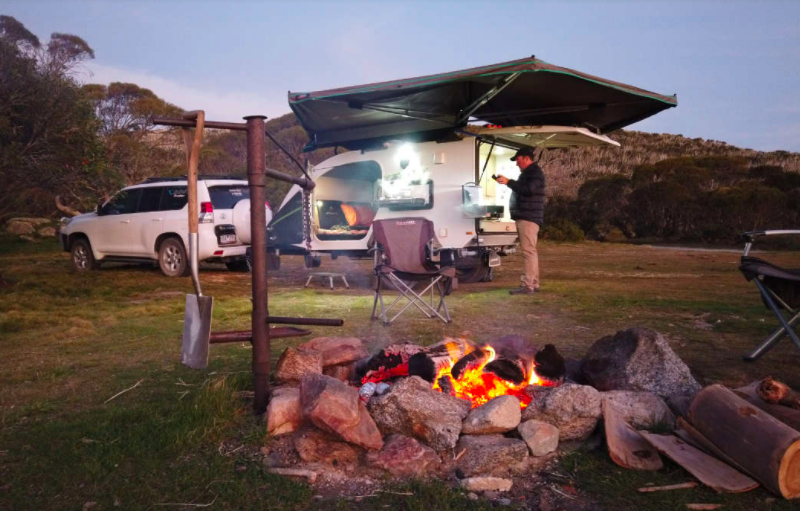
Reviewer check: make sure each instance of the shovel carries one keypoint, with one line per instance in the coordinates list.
(197, 316)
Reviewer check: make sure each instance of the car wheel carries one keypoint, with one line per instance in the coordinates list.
(239, 265)
(82, 257)
(172, 258)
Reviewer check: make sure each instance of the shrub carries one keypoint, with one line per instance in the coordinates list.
(562, 229)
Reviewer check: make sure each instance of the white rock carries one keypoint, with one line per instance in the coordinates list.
(486, 484)
(541, 437)
(499, 415)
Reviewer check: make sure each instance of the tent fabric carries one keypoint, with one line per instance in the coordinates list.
(524, 92)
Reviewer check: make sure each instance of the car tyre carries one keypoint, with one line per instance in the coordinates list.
(82, 257)
(172, 258)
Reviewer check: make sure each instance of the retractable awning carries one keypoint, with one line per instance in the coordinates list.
(522, 92)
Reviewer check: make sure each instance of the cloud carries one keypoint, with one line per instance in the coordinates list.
(228, 106)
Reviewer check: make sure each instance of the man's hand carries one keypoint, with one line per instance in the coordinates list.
(503, 180)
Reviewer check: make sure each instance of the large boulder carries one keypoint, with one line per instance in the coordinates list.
(294, 364)
(637, 359)
(572, 408)
(404, 456)
(315, 446)
(490, 455)
(498, 415)
(335, 407)
(336, 350)
(413, 409)
(641, 408)
(284, 414)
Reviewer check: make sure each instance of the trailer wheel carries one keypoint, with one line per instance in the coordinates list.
(480, 272)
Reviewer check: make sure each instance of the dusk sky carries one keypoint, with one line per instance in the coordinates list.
(735, 65)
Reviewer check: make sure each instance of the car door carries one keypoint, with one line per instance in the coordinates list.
(147, 223)
(112, 234)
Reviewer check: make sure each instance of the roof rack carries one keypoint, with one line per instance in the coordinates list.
(200, 177)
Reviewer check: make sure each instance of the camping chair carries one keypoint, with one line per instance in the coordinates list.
(780, 289)
(402, 248)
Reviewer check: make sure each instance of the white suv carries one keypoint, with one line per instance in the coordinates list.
(148, 222)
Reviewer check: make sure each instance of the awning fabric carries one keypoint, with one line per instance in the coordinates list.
(521, 92)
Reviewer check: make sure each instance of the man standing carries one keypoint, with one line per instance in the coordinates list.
(527, 210)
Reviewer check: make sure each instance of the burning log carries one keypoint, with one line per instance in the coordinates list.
(446, 385)
(470, 361)
(766, 448)
(550, 364)
(775, 392)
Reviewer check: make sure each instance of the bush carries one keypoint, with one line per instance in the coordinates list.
(562, 229)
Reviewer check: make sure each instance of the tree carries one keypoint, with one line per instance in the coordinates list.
(48, 133)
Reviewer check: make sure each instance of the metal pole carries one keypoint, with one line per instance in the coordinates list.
(256, 180)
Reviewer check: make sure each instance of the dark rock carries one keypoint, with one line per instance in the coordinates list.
(335, 407)
(403, 456)
(490, 454)
(638, 359)
(413, 409)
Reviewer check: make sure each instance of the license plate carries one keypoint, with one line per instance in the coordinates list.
(226, 239)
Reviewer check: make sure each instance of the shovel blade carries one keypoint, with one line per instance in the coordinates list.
(196, 331)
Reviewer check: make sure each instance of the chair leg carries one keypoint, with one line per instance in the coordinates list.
(377, 293)
(786, 327)
(309, 280)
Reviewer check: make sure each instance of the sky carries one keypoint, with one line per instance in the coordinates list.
(735, 65)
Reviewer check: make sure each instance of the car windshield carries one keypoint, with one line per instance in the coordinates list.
(226, 196)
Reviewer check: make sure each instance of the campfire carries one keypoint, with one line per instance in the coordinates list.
(475, 373)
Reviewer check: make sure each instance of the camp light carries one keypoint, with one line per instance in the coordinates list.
(409, 188)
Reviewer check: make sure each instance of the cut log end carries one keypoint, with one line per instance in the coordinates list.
(789, 472)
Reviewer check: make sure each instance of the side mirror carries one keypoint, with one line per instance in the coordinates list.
(99, 208)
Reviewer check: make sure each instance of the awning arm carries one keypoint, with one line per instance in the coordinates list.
(465, 114)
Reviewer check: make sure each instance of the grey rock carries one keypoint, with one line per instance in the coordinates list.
(336, 350)
(641, 408)
(541, 437)
(574, 409)
(486, 483)
(46, 232)
(638, 359)
(413, 409)
(490, 454)
(17, 226)
(498, 415)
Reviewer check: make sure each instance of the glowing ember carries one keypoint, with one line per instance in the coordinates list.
(479, 387)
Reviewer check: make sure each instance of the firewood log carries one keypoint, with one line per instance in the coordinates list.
(777, 393)
(788, 416)
(765, 447)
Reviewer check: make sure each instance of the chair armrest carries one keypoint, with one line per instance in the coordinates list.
(749, 237)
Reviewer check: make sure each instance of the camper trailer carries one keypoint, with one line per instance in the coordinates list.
(429, 146)
(449, 183)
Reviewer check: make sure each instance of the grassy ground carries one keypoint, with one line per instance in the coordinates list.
(70, 342)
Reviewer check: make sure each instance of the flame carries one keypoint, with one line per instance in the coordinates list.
(480, 387)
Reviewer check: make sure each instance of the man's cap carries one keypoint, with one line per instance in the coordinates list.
(525, 151)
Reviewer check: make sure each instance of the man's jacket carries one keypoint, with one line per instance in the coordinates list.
(527, 197)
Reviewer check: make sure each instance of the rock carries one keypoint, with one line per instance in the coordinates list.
(498, 415)
(679, 405)
(334, 407)
(403, 456)
(413, 409)
(541, 437)
(46, 232)
(504, 502)
(637, 359)
(16, 226)
(472, 496)
(490, 454)
(342, 372)
(574, 409)
(283, 412)
(336, 350)
(294, 364)
(641, 408)
(486, 484)
(315, 446)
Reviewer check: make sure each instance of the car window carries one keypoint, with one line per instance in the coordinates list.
(174, 197)
(123, 202)
(150, 199)
(226, 197)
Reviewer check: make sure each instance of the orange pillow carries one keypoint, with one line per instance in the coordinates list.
(365, 214)
(350, 214)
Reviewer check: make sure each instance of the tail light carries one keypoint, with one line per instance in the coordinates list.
(206, 213)
(266, 203)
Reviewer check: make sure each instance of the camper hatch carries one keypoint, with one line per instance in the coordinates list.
(421, 147)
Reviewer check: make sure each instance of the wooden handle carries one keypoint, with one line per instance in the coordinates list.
(192, 157)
